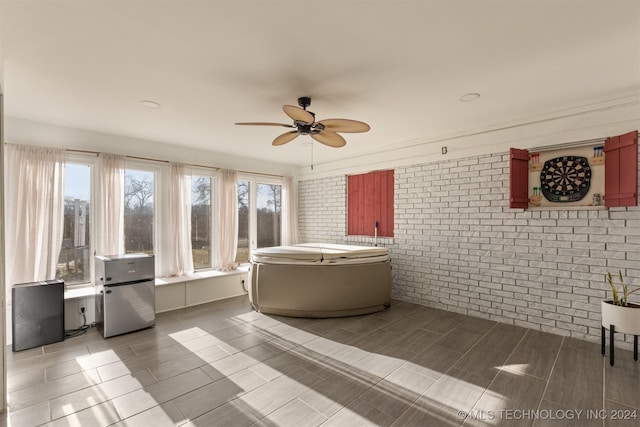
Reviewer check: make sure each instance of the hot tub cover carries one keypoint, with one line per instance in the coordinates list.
(320, 253)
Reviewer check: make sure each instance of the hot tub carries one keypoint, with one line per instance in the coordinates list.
(320, 280)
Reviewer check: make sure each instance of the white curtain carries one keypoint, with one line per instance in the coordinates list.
(180, 220)
(110, 215)
(34, 212)
(289, 213)
(227, 225)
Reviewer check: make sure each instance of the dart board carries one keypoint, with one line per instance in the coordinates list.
(565, 179)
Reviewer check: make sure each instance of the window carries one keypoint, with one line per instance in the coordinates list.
(268, 214)
(259, 215)
(242, 254)
(74, 261)
(370, 204)
(138, 211)
(201, 221)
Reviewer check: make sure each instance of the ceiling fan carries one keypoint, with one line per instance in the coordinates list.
(304, 123)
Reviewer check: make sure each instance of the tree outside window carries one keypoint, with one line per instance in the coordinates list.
(138, 211)
(242, 254)
(201, 221)
(259, 216)
(74, 261)
(269, 214)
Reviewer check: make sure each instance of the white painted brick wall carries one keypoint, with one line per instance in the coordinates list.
(458, 246)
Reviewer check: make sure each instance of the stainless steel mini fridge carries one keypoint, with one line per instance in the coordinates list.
(125, 293)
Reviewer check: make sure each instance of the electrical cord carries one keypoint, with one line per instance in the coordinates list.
(70, 333)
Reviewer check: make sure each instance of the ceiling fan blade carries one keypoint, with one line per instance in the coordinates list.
(264, 124)
(285, 137)
(344, 125)
(297, 113)
(329, 138)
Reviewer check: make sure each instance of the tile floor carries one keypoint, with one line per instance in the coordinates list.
(224, 364)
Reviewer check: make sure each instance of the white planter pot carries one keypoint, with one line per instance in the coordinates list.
(625, 319)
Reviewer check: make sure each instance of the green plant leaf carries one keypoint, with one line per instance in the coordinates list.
(613, 289)
(617, 299)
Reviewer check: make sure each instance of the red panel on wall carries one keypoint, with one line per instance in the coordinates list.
(369, 208)
(386, 205)
(621, 170)
(370, 200)
(354, 203)
(519, 178)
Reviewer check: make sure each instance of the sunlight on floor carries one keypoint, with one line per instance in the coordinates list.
(395, 379)
(357, 381)
(519, 369)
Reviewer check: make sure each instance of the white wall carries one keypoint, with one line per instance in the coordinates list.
(1, 48)
(595, 120)
(3, 338)
(458, 245)
(20, 131)
(3, 374)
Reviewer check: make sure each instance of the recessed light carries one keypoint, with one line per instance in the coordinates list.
(468, 97)
(150, 104)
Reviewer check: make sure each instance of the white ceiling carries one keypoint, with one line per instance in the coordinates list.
(400, 66)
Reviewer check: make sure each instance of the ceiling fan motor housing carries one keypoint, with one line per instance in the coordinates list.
(306, 128)
(304, 101)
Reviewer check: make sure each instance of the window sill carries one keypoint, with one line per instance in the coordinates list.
(79, 291)
(203, 274)
(84, 291)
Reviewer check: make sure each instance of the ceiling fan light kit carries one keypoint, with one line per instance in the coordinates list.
(304, 123)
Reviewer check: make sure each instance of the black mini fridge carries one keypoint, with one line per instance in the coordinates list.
(37, 314)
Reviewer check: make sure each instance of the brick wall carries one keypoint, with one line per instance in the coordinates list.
(459, 247)
(322, 208)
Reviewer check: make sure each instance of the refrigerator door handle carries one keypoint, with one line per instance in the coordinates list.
(130, 282)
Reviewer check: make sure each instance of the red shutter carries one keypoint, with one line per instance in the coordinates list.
(518, 178)
(370, 200)
(386, 204)
(378, 197)
(621, 170)
(369, 213)
(353, 203)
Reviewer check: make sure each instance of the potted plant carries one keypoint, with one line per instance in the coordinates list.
(620, 315)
